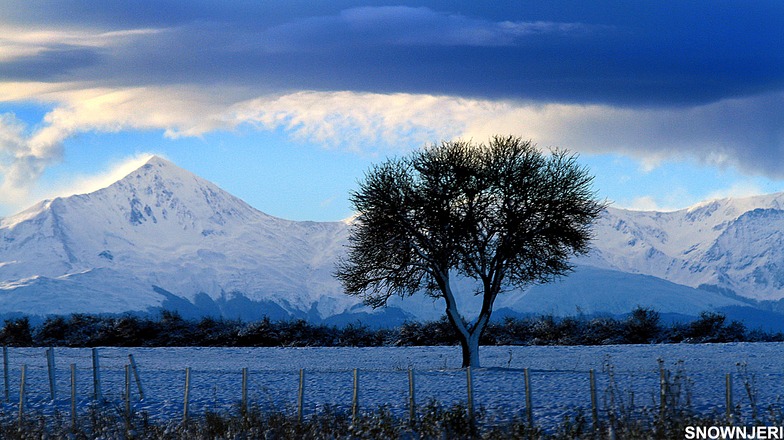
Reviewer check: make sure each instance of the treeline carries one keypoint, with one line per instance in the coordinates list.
(642, 326)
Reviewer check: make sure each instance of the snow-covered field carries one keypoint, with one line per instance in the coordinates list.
(559, 377)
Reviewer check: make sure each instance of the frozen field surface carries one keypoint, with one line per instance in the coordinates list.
(559, 377)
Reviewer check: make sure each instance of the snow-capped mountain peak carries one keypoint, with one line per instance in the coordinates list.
(171, 230)
(730, 243)
(163, 237)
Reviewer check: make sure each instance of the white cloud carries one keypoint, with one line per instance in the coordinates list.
(11, 134)
(18, 42)
(21, 162)
(357, 121)
(665, 198)
(737, 190)
(23, 197)
(370, 123)
(83, 184)
(327, 202)
(720, 133)
(680, 198)
(177, 111)
(26, 153)
(645, 203)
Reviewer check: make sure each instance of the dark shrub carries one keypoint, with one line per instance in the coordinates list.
(571, 331)
(52, 332)
(707, 328)
(512, 331)
(359, 335)
(211, 332)
(86, 330)
(300, 333)
(259, 334)
(429, 333)
(642, 326)
(545, 330)
(17, 333)
(604, 331)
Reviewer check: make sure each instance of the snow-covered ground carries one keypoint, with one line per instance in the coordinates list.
(559, 377)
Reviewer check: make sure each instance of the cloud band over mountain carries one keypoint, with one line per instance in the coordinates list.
(654, 81)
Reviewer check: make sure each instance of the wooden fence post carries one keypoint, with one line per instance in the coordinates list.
(50, 369)
(22, 394)
(728, 397)
(73, 396)
(127, 391)
(470, 389)
(355, 398)
(187, 394)
(300, 395)
(411, 401)
(528, 409)
(96, 377)
(594, 401)
(138, 379)
(127, 398)
(6, 375)
(662, 389)
(244, 405)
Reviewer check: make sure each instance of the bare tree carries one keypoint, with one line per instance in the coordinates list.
(503, 214)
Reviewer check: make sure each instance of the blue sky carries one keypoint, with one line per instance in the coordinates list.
(286, 103)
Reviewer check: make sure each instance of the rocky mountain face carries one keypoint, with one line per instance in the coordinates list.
(161, 235)
(733, 245)
(164, 238)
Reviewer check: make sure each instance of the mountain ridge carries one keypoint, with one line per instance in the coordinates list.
(158, 223)
(721, 243)
(162, 237)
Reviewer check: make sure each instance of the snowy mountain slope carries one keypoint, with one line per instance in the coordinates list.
(163, 226)
(86, 292)
(734, 244)
(163, 237)
(592, 291)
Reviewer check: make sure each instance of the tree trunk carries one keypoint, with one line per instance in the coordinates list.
(470, 348)
(470, 351)
(470, 344)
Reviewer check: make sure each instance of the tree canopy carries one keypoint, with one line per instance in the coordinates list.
(503, 213)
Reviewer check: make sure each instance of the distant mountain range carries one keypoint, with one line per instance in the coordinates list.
(164, 238)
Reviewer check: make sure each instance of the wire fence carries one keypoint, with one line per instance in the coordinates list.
(70, 381)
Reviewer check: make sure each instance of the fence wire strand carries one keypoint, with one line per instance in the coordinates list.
(500, 391)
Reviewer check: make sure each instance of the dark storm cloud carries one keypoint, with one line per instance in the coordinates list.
(620, 53)
(51, 64)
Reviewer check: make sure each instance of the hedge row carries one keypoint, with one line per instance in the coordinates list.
(642, 326)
